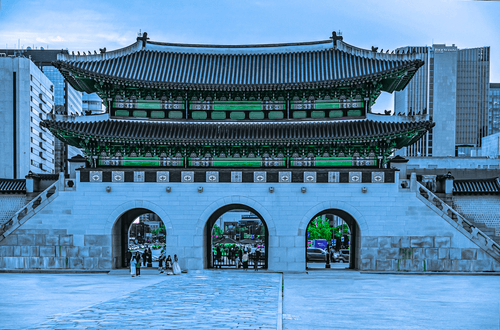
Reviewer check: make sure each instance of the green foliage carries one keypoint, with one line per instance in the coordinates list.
(319, 228)
(160, 230)
(262, 231)
(216, 231)
(341, 230)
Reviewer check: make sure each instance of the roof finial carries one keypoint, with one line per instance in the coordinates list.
(144, 39)
(336, 37)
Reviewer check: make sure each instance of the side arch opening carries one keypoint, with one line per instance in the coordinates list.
(332, 241)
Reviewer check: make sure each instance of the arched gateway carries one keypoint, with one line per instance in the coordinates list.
(284, 126)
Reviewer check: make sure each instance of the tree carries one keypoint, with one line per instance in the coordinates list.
(341, 230)
(320, 229)
(216, 231)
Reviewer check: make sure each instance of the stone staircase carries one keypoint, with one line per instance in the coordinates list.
(490, 232)
(468, 228)
(29, 210)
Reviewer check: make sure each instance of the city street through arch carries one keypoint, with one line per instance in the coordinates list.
(231, 231)
(332, 241)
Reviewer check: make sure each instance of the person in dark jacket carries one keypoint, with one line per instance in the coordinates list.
(257, 258)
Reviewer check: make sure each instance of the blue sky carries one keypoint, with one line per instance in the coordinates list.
(387, 24)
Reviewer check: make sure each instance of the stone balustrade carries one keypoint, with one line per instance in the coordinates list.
(459, 222)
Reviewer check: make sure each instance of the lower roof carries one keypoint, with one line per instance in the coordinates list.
(477, 187)
(224, 133)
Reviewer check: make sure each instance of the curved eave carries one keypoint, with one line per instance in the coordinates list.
(261, 134)
(394, 79)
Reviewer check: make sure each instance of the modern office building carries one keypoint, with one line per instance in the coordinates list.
(452, 89)
(67, 100)
(494, 109)
(92, 104)
(26, 98)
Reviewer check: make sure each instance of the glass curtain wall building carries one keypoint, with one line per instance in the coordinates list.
(451, 88)
(494, 109)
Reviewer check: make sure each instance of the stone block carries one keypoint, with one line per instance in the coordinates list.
(78, 240)
(482, 255)
(300, 241)
(418, 253)
(294, 254)
(72, 251)
(417, 265)
(367, 264)
(395, 241)
(435, 265)
(469, 254)
(392, 253)
(369, 241)
(495, 266)
(442, 242)
(35, 262)
(40, 239)
(25, 251)
(406, 253)
(17, 251)
(66, 240)
(76, 263)
(47, 251)
(83, 252)
(287, 241)
(88, 263)
(97, 240)
(455, 253)
(384, 242)
(95, 251)
(6, 251)
(2, 262)
(26, 239)
(10, 240)
(421, 241)
(482, 265)
(443, 253)
(106, 252)
(405, 242)
(52, 240)
(368, 253)
(385, 265)
(49, 262)
(104, 263)
(463, 265)
(431, 253)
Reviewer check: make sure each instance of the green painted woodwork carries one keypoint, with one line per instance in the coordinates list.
(354, 113)
(218, 115)
(124, 113)
(336, 114)
(299, 114)
(140, 161)
(139, 113)
(237, 115)
(199, 115)
(237, 162)
(157, 114)
(317, 114)
(276, 115)
(256, 115)
(175, 114)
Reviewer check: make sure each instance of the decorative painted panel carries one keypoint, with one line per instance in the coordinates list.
(138, 176)
(355, 177)
(187, 176)
(162, 176)
(95, 176)
(259, 177)
(309, 177)
(333, 177)
(118, 176)
(212, 176)
(236, 176)
(378, 177)
(285, 177)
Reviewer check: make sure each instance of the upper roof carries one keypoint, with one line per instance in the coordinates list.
(240, 67)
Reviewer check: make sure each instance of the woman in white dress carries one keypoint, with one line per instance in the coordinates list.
(176, 269)
(132, 266)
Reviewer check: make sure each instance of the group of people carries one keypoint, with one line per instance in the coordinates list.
(165, 265)
(237, 254)
(171, 268)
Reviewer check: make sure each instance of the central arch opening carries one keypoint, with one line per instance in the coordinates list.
(332, 239)
(231, 231)
(135, 231)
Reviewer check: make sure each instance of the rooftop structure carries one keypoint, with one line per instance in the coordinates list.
(296, 104)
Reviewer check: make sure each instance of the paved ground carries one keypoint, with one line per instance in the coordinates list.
(321, 299)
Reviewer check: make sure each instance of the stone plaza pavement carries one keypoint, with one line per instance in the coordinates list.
(320, 299)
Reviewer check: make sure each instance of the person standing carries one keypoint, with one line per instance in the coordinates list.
(176, 269)
(138, 264)
(160, 262)
(257, 258)
(218, 256)
(133, 271)
(128, 256)
(245, 260)
(144, 257)
(240, 256)
(168, 265)
(150, 258)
